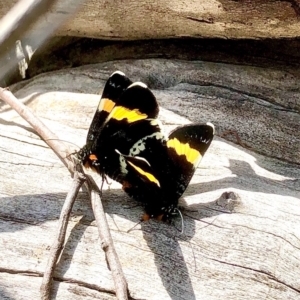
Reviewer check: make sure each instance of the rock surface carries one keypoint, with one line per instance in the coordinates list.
(241, 211)
(136, 20)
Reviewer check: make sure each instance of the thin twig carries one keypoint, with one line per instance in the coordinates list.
(15, 27)
(57, 246)
(18, 20)
(31, 22)
(59, 148)
(106, 240)
(42, 130)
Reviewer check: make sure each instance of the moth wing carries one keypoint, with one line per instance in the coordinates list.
(141, 184)
(114, 88)
(124, 148)
(186, 146)
(136, 103)
(127, 123)
(121, 107)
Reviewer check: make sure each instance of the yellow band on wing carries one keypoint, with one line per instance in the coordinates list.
(193, 156)
(132, 115)
(147, 174)
(106, 105)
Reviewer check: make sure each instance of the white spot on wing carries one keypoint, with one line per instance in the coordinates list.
(138, 83)
(139, 146)
(117, 72)
(211, 125)
(143, 159)
(155, 122)
(123, 162)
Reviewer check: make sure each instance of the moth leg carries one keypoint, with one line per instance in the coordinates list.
(104, 178)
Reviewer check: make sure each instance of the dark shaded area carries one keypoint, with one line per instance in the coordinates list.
(69, 52)
(4, 295)
(72, 52)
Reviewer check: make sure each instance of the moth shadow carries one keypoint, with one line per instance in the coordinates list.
(242, 176)
(5, 295)
(173, 253)
(165, 240)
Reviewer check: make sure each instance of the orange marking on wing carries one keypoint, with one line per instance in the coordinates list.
(145, 217)
(126, 184)
(108, 105)
(87, 164)
(160, 217)
(93, 157)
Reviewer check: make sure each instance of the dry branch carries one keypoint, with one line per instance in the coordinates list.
(59, 240)
(29, 21)
(58, 148)
(42, 130)
(106, 241)
(19, 19)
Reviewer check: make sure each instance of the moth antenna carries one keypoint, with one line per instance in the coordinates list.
(67, 156)
(104, 178)
(63, 141)
(191, 245)
(193, 256)
(195, 264)
(134, 226)
(108, 183)
(182, 222)
(132, 206)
